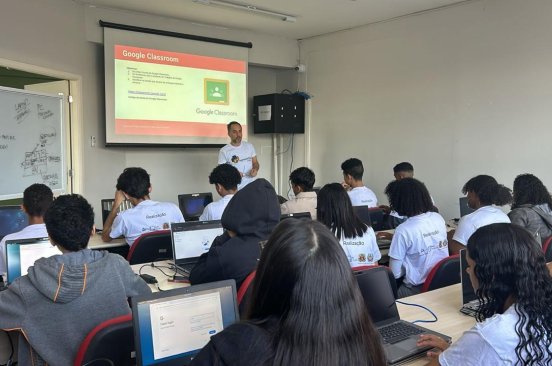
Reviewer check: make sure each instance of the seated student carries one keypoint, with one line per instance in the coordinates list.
(532, 206)
(62, 298)
(247, 220)
(226, 179)
(306, 308)
(419, 242)
(483, 193)
(356, 238)
(507, 271)
(146, 215)
(352, 181)
(302, 180)
(36, 200)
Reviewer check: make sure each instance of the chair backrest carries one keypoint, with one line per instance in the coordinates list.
(547, 249)
(445, 273)
(244, 293)
(362, 271)
(151, 247)
(110, 342)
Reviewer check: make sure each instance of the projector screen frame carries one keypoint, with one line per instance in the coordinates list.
(160, 32)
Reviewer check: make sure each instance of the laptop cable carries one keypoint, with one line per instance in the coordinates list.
(423, 307)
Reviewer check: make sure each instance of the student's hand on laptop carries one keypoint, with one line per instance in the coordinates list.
(385, 208)
(431, 340)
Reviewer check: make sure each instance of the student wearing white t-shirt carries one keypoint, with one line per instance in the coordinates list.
(226, 179)
(146, 215)
(358, 240)
(483, 192)
(507, 269)
(36, 200)
(240, 154)
(419, 242)
(302, 180)
(359, 194)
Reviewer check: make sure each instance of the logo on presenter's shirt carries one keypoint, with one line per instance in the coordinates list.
(235, 159)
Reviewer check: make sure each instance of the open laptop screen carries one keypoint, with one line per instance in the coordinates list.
(171, 327)
(12, 220)
(192, 239)
(193, 204)
(22, 253)
(468, 294)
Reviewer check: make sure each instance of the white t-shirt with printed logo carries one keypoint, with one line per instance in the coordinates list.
(214, 210)
(145, 217)
(240, 157)
(419, 243)
(363, 196)
(361, 251)
(483, 216)
(28, 232)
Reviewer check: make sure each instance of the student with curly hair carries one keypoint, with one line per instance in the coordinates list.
(306, 308)
(358, 240)
(532, 206)
(508, 273)
(484, 195)
(226, 179)
(419, 242)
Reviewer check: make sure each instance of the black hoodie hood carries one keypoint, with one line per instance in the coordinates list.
(253, 211)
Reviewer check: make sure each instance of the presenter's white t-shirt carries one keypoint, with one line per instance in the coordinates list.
(214, 210)
(363, 250)
(240, 157)
(491, 342)
(363, 196)
(419, 243)
(29, 232)
(145, 217)
(483, 216)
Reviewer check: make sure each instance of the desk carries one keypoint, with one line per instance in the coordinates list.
(159, 270)
(445, 303)
(96, 242)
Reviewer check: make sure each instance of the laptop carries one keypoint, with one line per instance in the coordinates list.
(12, 220)
(22, 253)
(399, 337)
(370, 216)
(464, 208)
(193, 204)
(470, 302)
(191, 239)
(171, 327)
(296, 215)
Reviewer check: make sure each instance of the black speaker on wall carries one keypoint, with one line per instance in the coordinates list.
(278, 113)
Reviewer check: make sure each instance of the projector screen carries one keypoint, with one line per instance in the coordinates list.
(171, 91)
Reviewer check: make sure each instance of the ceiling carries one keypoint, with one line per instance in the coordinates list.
(314, 17)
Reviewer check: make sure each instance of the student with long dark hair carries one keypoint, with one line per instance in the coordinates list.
(358, 240)
(508, 273)
(532, 206)
(306, 308)
(419, 242)
(484, 195)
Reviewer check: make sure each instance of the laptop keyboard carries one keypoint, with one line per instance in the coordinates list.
(397, 332)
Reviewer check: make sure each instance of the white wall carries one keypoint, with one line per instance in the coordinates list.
(458, 92)
(63, 35)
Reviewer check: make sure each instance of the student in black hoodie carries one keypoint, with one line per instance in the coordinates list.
(248, 219)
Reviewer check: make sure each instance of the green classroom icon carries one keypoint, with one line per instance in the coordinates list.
(216, 91)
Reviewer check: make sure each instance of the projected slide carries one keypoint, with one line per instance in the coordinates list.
(162, 93)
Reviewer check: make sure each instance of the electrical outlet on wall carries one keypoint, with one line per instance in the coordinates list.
(92, 141)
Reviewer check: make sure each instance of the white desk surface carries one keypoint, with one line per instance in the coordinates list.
(445, 303)
(96, 242)
(162, 271)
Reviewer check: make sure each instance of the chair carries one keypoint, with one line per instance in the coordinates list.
(445, 273)
(151, 247)
(244, 293)
(547, 249)
(109, 343)
(363, 272)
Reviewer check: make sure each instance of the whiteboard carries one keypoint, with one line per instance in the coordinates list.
(31, 141)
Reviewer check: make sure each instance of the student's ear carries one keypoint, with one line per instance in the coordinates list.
(149, 189)
(93, 230)
(23, 208)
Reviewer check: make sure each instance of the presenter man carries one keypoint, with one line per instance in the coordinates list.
(240, 154)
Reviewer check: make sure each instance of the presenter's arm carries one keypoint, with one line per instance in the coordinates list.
(255, 168)
(119, 198)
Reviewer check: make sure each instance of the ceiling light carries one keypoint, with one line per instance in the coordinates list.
(249, 8)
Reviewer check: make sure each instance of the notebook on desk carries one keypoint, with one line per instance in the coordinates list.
(22, 253)
(399, 337)
(470, 302)
(171, 327)
(191, 239)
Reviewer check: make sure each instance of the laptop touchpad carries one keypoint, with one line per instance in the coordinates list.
(408, 344)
